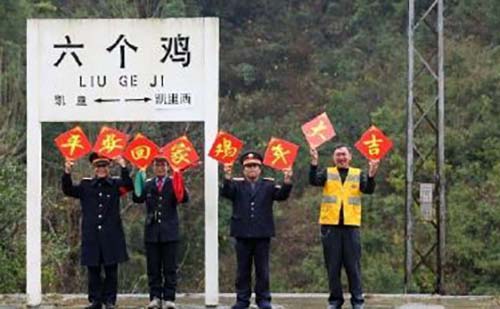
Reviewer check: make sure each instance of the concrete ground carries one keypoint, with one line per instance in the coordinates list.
(280, 301)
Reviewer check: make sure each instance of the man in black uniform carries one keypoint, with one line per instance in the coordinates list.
(103, 240)
(340, 219)
(161, 234)
(252, 224)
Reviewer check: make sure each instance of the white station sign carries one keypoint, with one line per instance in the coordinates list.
(132, 70)
(81, 70)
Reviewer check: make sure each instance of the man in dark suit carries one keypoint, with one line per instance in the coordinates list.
(252, 224)
(161, 234)
(103, 240)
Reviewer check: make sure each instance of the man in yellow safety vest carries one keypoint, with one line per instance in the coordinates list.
(340, 219)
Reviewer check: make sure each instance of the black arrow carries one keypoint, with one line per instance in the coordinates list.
(100, 100)
(145, 99)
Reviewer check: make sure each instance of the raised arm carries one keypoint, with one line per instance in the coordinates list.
(316, 178)
(367, 181)
(124, 181)
(228, 188)
(282, 192)
(67, 183)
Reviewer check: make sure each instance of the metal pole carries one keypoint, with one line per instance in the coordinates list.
(409, 152)
(440, 155)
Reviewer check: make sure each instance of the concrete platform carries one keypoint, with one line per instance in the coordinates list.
(280, 301)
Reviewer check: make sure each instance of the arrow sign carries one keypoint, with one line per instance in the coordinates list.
(145, 99)
(100, 100)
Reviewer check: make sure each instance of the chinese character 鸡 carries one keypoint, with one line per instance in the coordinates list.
(225, 148)
(177, 49)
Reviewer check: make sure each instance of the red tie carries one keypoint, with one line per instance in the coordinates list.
(159, 184)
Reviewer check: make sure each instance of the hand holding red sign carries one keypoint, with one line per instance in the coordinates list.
(280, 154)
(73, 144)
(318, 131)
(287, 175)
(373, 167)
(141, 151)
(225, 148)
(181, 154)
(110, 143)
(373, 144)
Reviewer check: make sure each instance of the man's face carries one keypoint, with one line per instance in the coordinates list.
(101, 169)
(342, 157)
(160, 168)
(251, 171)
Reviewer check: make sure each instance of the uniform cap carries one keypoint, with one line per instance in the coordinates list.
(96, 158)
(251, 157)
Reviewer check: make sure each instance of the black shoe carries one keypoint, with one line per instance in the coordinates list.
(357, 302)
(110, 306)
(335, 305)
(155, 303)
(94, 306)
(265, 305)
(239, 306)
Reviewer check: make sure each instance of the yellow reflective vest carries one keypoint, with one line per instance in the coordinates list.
(336, 194)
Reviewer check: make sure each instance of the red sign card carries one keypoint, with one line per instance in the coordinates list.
(318, 131)
(373, 144)
(73, 144)
(141, 151)
(181, 154)
(225, 148)
(110, 142)
(280, 154)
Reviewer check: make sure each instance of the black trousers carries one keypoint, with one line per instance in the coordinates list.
(252, 251)
(162, 269)
(102, 290)
(342, 247)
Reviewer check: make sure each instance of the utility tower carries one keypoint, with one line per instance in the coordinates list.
(425, 211)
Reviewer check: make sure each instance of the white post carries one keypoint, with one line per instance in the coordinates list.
(34, 182)
(211, 167)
